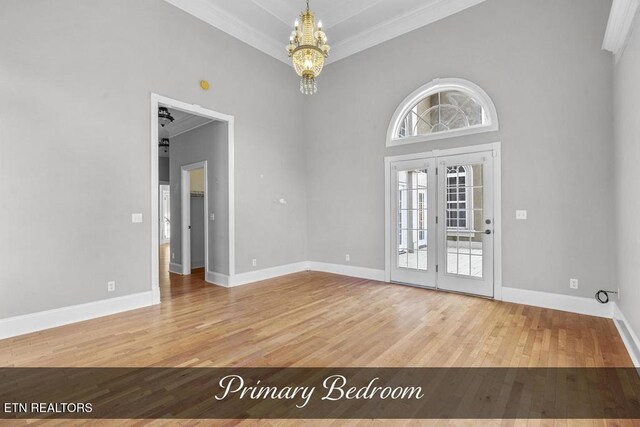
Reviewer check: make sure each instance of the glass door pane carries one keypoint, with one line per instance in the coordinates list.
(464, 216)
(412, 244)
(413, 256)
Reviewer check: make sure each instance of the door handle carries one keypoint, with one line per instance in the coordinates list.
(487, 232)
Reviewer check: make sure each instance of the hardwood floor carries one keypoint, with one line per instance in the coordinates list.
(322, 320)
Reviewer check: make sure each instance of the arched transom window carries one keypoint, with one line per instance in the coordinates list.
(441, 109)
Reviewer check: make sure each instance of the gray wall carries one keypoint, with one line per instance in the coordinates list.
(69, 67)
(208, 142)
(627, 159)
(541, 62)
(66, 63)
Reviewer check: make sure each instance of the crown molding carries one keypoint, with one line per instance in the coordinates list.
(231, 25)
(623, 13)
(346, 11)
(395, 27)
(387, 30)
(279, 9)
(284, 12)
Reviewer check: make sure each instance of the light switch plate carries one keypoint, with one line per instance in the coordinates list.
(136, 218)
(521, 214)
(212, 217)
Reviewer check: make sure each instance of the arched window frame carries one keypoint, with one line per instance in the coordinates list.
(431, 88)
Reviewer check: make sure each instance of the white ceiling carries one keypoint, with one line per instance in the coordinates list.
(351, 25)
(184, 122)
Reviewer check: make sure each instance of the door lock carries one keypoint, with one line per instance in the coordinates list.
(488, 222)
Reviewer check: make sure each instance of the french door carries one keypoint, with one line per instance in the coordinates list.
(442, 223)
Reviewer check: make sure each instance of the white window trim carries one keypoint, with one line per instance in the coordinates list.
(435, 86)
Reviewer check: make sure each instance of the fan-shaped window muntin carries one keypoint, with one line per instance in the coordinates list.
(441, 109)
(442, 112)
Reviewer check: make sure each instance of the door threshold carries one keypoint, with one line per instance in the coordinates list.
(432, 288)
(413, 285)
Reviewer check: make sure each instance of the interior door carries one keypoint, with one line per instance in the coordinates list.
(413, 213)
(465, 229)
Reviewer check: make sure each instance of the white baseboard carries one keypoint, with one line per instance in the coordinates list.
(267, 273)
(629, 337)
(347, 270)
(216, 279)
(48, 319)
(560, 302)
(28, 323)
(282, 270)
(175, 268)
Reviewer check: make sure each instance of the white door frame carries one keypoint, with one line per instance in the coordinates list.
(160, 216)
(159, 100)
(497, 184)
(185, 210)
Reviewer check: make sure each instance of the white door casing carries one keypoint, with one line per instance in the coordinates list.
(159, 100)
(165, 214)
(185, 192)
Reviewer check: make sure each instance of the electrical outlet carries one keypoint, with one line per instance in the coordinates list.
(173, 255)
(521, 215)
(347, 258)
(111, 286)
(573, 283)
(254, 262)
(136, 218)
(212, 217)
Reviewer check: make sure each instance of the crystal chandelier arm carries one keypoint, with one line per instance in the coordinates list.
(308, 49)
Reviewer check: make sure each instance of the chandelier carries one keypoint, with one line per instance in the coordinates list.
(307, 49)
(164, 116)
(164, 141)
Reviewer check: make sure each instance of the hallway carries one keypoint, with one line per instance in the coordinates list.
(173, 285)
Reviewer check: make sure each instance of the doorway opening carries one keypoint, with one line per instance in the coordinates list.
(443, 222)
(192, 202)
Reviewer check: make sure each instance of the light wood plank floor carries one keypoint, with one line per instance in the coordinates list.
(318, 319)
(322, 320)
